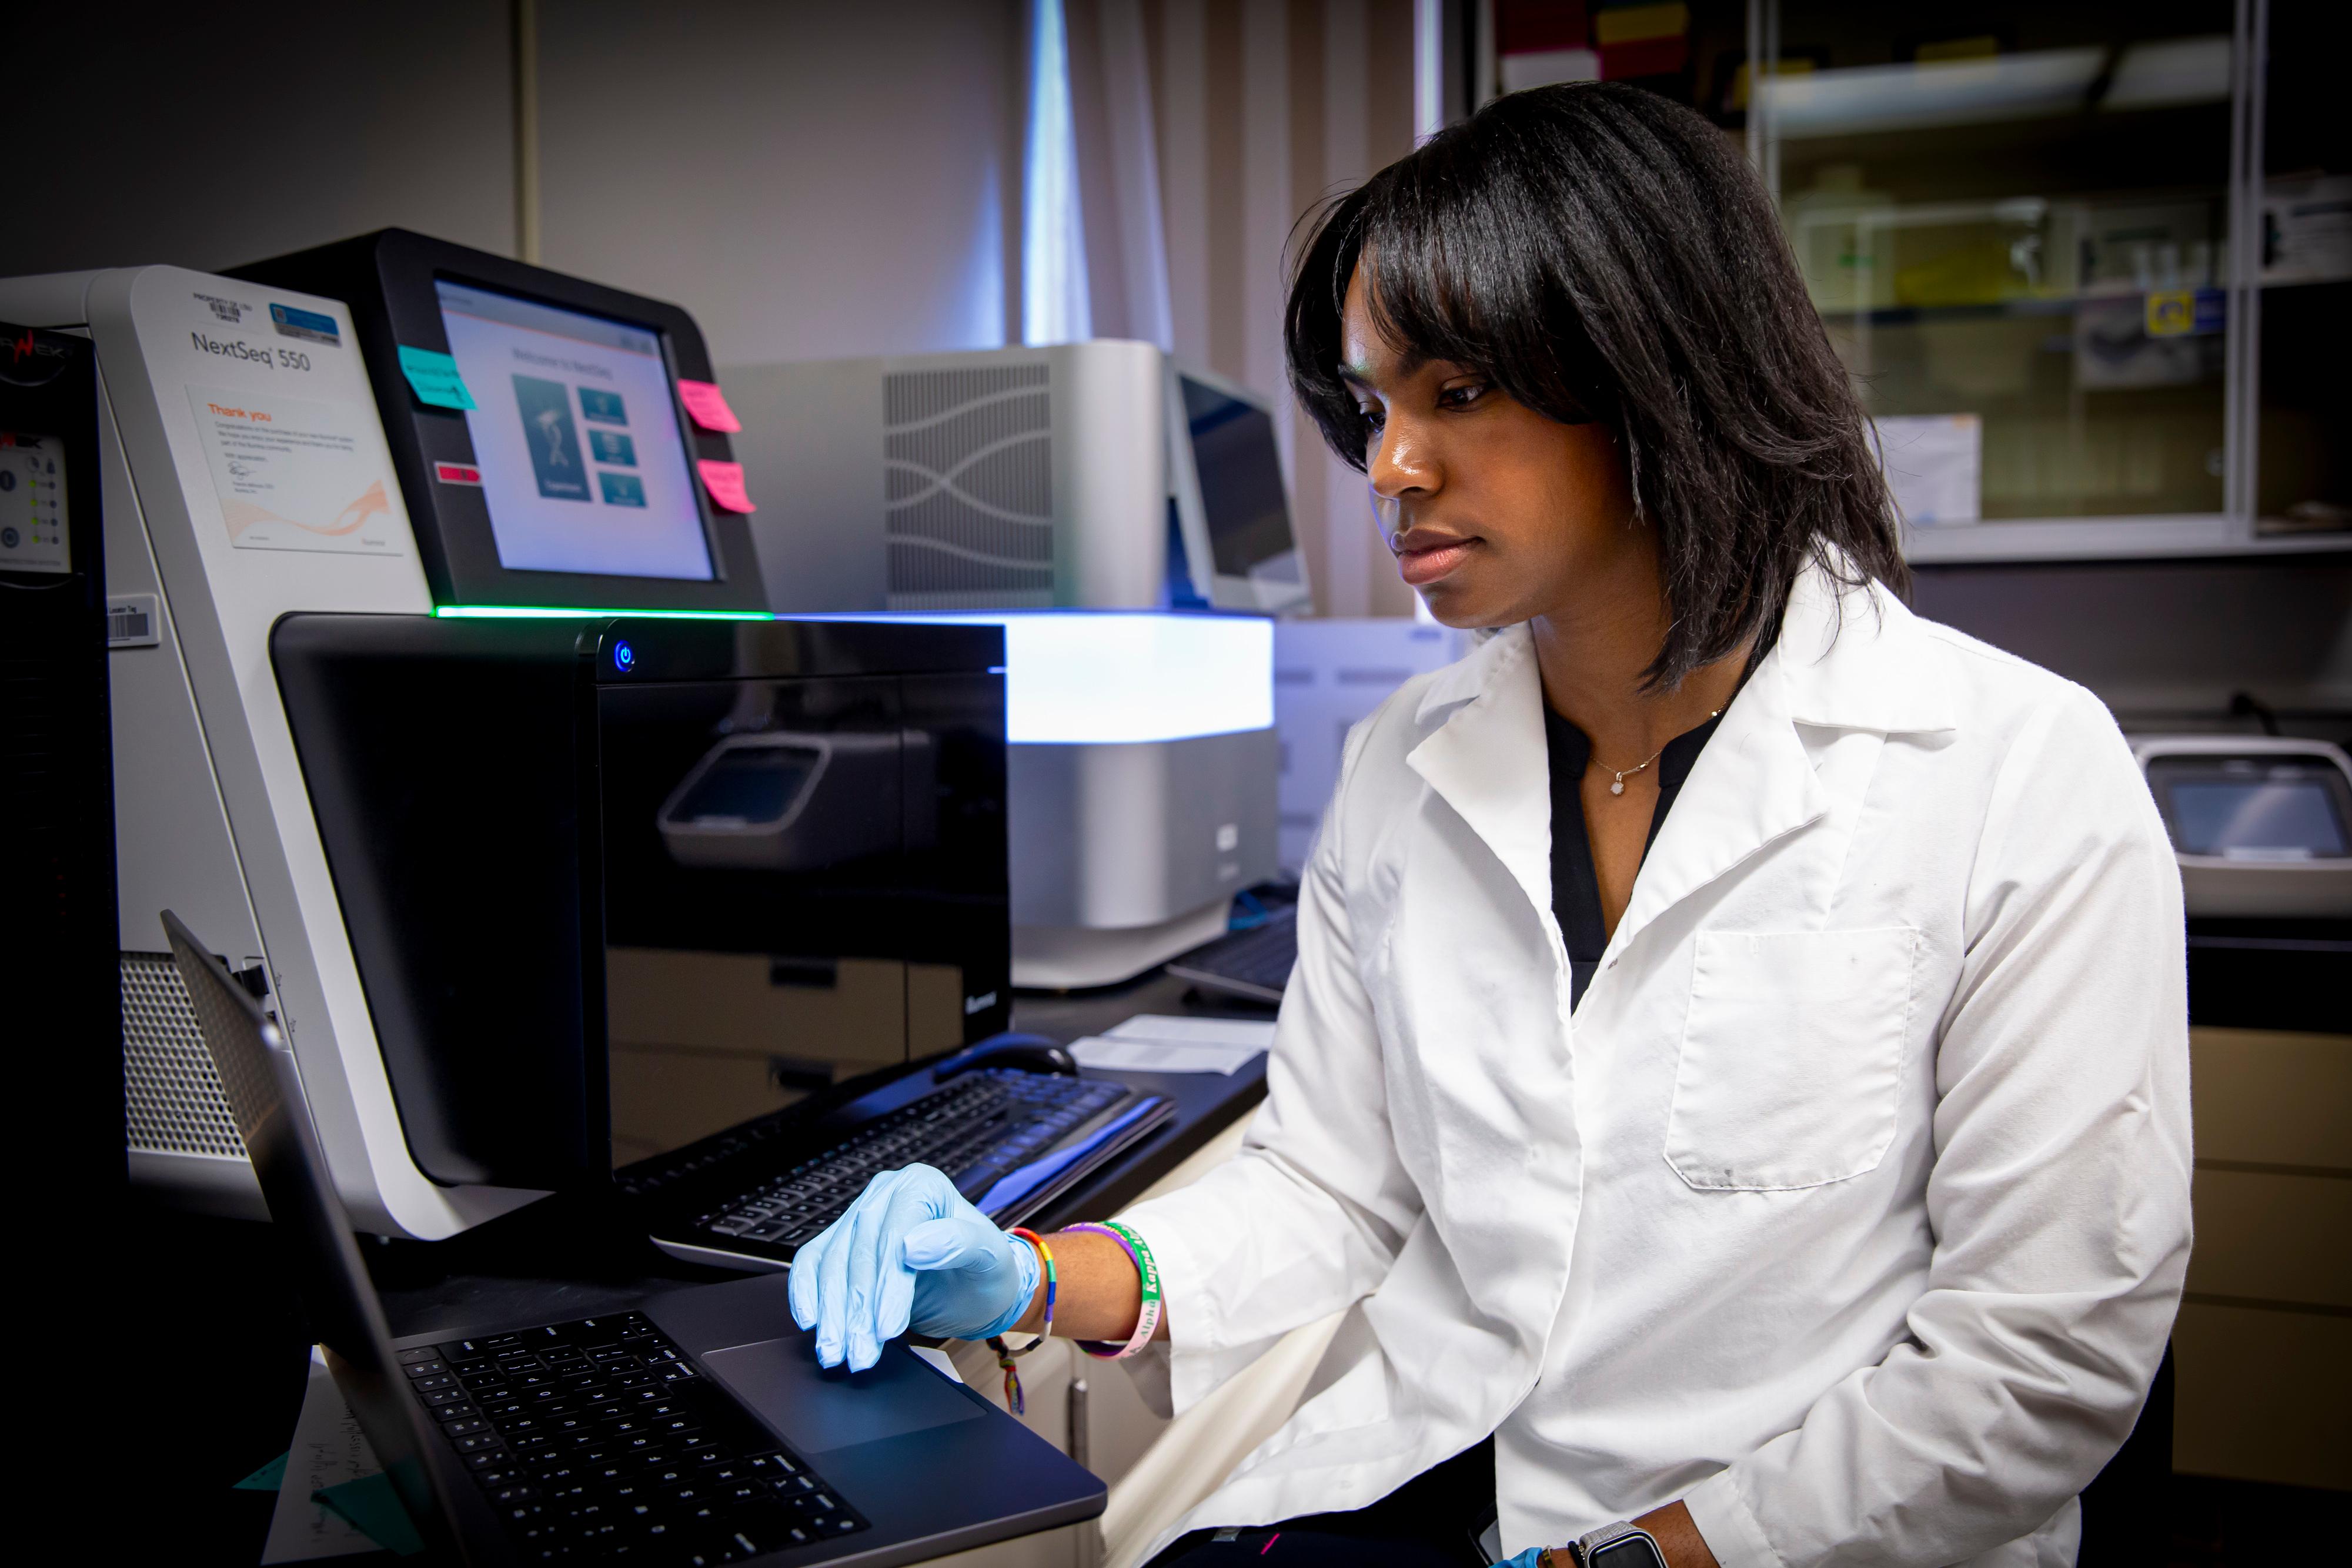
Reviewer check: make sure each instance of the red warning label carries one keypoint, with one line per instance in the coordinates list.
(456, 474)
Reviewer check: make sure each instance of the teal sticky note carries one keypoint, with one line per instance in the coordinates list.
(435, 378)
(374, 1510)
(269, 1478)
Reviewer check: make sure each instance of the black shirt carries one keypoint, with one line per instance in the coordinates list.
(1575, 886)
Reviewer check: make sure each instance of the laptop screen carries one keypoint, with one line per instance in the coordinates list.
(257, 1073)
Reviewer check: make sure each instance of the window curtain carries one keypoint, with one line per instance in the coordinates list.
(1118, 169)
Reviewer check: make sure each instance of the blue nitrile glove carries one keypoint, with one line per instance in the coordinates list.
(1527, 1559)
(910, 1253)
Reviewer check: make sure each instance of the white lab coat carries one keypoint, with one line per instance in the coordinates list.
(1850, 1205)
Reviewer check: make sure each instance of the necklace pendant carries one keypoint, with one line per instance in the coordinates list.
(1617, 786)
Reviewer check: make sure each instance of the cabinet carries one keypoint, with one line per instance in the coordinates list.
(2090, 263)
(2262, 1348)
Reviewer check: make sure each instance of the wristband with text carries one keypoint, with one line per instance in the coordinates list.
(1147, 1276)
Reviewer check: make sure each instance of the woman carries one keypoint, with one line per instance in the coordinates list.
(1735, 1077)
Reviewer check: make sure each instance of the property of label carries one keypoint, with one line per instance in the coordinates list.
(293, 474)
(311, 326)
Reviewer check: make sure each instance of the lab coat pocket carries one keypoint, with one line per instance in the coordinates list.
(1791, 1060)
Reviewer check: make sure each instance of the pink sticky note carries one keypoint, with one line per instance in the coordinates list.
(725, 483)
(709, 406)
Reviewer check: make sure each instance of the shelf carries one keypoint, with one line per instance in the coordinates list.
(1912, 315)
(2028, 306)
(2106, 539)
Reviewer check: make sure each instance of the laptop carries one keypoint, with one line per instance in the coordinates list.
(695, 1429)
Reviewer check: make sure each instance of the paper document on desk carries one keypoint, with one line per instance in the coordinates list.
(328, 1448)
(1154, 1043)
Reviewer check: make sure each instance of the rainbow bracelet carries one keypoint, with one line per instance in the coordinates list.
(1147, 1277)
(1013, 1399)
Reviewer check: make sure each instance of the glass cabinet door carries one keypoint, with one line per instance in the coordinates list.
(2089, 261)
(2017, 230)
(2301, 255)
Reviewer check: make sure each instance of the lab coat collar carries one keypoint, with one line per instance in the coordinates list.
(1856, 658)
(1847, 658)
(1464, 679)
(1486, 759)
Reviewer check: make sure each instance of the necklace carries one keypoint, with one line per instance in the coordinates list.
(1617, 782)
(1619, 774)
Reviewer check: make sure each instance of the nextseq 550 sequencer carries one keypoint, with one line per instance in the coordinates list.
(258, 482)
(244, 474)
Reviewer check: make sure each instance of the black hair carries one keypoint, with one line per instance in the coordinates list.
(1602, 253)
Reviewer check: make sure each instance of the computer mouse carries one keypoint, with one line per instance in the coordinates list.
(1028, 1052)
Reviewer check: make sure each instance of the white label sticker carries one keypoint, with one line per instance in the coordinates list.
(297, 475)
(133, 620)
(1933, 463)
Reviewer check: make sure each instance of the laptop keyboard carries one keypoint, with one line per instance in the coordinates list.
(985, 1130)
(1257, 961)
(598, 1441)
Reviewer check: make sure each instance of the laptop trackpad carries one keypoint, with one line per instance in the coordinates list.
(818, 1410)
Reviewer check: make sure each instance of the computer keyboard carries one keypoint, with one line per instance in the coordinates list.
(598, 1441)
(1254, 964)
(994, 1132)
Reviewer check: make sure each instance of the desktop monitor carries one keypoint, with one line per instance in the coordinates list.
(1231, 506)
(578, 477)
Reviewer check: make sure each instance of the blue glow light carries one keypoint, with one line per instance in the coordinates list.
(1110, 676)
(1055, 307)
(625, 658)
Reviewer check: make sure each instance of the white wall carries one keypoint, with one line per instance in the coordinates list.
(809, 179)
(146, 132)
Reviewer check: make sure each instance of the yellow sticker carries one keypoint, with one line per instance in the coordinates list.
(2172, 313)
(1639, 23)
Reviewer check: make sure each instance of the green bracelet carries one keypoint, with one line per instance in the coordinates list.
(1147, 1278)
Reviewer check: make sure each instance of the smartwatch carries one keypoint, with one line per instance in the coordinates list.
(1618, 1545)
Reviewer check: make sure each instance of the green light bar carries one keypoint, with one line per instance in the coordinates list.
(551, 612)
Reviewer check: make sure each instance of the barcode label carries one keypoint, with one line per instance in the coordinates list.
(131, 622)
